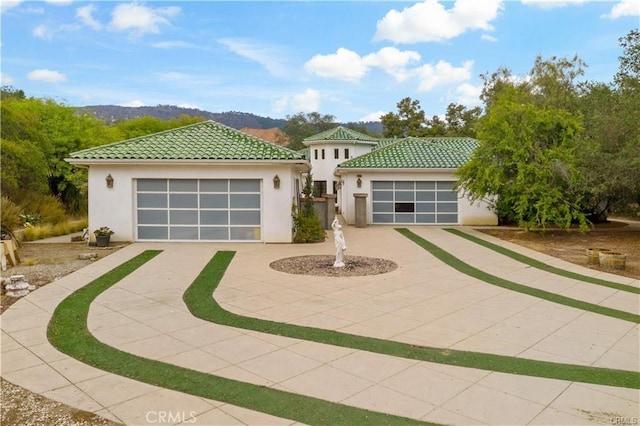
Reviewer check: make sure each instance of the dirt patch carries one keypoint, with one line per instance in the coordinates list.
(572, 245)
(42, 263)
(320, 265)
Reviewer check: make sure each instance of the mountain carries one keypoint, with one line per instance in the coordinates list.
(235, 119)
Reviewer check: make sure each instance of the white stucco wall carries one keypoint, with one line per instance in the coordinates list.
(115, 207)
(323, 169)
(468, 214)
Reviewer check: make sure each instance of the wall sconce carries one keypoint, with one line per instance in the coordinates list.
(276, 182)
(109, 180)
(359, 181)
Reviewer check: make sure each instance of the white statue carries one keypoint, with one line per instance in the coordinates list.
(340, 243)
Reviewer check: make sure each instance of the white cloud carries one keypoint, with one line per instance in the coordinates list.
(59, 2)
(343, 65)
(41, 32)
(442, 73)
(624, 8)
(488, 37)
(173, 76)
(269, 56)
(85, 15)
(374, 116)
(280, 105)
(430, 21)
(140, 19)
(307, 101)
(551, 4)
(8, 4)
(47, 76)
(135, 103)
(173, 45)
(5, 79)
(350, 66)
(468, 94)
(393, 61)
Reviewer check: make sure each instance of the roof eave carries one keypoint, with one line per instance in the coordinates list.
(344, 170)
(342, 142)
(143, 162)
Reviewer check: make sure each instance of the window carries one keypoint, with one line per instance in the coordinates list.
(346, 153)
(336, 153)
(315, 154)
(323, 153)
(405, 207)
(319, 188)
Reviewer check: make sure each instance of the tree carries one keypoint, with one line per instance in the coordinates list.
(300, 126)
(307, 224)
(610, 150)
(461, 121)
(526, 162)
(409, 121)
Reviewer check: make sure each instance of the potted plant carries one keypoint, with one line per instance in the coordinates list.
(103, 235)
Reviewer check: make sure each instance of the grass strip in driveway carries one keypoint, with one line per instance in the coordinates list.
(200, 301)
(467, 269)
(68, 332)
(543, 266)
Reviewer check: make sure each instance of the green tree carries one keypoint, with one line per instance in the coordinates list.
(307, 225)
(300, 126)
(148, 125)
(610, 151)
(410, 120)
(461, 121)
(525, 163)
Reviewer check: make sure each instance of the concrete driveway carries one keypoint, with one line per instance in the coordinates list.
(424, 302)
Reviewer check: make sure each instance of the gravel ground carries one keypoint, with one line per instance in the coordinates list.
(322, 265)
(20, 407)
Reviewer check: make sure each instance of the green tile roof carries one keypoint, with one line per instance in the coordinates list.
(341, 134)
(206, 140)
(418, 153)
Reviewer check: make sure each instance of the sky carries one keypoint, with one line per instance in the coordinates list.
(354, 60)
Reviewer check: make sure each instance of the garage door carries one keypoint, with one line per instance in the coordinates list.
(405, 202)
(198, 209)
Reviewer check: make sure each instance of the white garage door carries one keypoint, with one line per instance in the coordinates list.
(404, 202)
(198, 209)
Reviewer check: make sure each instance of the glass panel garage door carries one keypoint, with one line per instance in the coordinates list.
(198, 209)
(426, 202)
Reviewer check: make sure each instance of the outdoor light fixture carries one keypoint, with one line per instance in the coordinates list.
(276, 182)
(359, 181)
(109, 180)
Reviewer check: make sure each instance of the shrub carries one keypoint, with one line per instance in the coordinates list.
(308, 227)
(47, 230)
(10, 214)
(49, 208)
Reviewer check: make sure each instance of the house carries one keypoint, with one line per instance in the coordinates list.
(209, 182)
(405, 181)
(205, 181)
